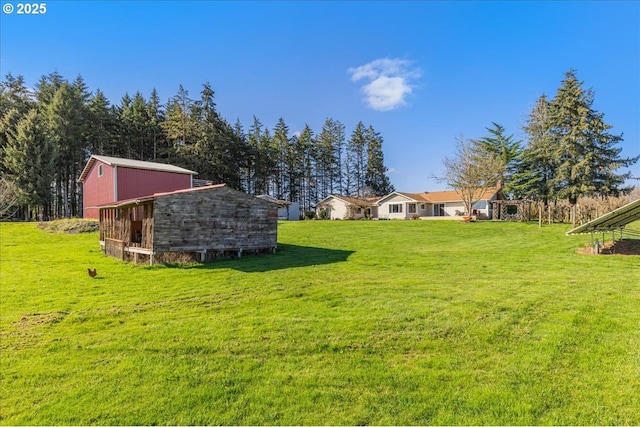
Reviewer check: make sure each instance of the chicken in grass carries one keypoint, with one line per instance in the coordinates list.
(91, 272)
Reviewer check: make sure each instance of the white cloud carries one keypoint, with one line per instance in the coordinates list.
(390, 82)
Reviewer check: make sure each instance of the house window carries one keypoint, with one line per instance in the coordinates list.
(395, 208)
(438, 209)
(423, 207)
(100, 170)
(482, 204)
(358, 211)
(412, 208)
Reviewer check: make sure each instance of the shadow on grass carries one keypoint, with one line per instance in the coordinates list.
(287, 256)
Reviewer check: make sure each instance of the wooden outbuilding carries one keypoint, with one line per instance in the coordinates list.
(203, 223)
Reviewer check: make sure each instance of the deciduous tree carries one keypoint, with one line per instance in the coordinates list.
(471, 171)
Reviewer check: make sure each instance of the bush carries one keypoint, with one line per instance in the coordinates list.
(310, 215)
(323, 214)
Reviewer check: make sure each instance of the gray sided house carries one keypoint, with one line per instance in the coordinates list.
(206, 222)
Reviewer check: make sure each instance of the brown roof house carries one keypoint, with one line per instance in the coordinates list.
(437, 204)
(203, 223)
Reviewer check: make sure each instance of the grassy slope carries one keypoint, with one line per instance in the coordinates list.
(381, 322)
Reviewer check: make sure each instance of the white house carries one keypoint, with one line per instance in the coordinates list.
(343, 207)
(286, 210)
(399, 205)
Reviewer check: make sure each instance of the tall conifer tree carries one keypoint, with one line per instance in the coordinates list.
(588, 153)
(357, 149)
(30, 159)
(506, 150)
(376, 181)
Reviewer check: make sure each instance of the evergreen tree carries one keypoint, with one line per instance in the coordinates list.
(279, 149)
(588, 154)
(328, 155)
(140, 130)
(357, 149)
(47, 86)
(216, 145)
(81, 97)
(304, 156)
(15, 102)
(376, 179)
(242, 157)
(180, 128)
(537, 169)
(507, 151)
(101, 126)
(254, 161)
(14, 94)
(125, 127)
(65, 122)
(29, 161)
(156, 117)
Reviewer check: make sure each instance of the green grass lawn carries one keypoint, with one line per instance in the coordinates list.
(351, 322)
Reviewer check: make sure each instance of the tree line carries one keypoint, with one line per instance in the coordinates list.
(569, 153)
(47, 135)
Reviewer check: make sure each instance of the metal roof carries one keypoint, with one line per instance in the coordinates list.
(613, 220)
(135, 164)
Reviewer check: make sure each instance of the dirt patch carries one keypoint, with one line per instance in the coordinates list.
(619, 247)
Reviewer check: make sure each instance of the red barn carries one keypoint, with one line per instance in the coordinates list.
(111, 179)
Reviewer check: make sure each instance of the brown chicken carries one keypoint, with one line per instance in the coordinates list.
(91, 272)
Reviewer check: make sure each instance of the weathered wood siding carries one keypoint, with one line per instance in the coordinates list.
(114, 248)
(216, 219)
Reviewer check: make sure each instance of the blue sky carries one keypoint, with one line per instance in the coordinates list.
(422, 73)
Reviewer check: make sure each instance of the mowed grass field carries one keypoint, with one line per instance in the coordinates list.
(351, 322)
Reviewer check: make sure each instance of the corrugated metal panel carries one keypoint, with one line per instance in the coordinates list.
(97, 189)
(613, 220)
(137, 164)
(139, 182)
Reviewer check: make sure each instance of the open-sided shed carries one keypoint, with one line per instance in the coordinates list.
(212, 221)
(613, 221)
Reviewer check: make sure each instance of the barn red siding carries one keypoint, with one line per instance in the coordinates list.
(132, 183)
(140, 182)
(97, 190)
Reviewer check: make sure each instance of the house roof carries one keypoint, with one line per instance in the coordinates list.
(443, 196)
(361, 202)
(134, 164)
(611, 221)
(454, 195)
(418, 197)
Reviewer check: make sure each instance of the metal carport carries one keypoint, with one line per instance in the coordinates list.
(615, 220)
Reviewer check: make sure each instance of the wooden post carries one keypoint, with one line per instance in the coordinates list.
(540, 215)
